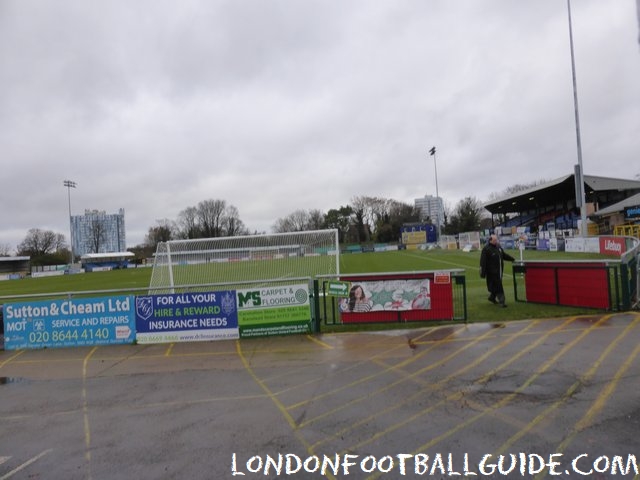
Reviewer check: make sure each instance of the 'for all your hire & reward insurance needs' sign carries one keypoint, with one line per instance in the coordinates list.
(186, 317)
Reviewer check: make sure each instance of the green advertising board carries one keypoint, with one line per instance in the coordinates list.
(274, 310)
(338, 289)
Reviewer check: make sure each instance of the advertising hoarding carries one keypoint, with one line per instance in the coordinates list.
(69, 323)
(186, 317)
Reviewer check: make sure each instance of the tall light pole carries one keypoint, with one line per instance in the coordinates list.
(432, 152)
(580, 194)
(70, 184)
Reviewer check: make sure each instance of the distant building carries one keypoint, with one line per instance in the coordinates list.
(98, 232)
(431, 207)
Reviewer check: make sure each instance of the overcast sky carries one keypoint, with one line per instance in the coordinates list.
(278, 105)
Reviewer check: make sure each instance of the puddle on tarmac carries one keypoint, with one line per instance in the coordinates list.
(442, 333)
(8, 380)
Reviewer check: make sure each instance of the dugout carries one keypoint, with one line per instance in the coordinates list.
(623, 217)
(94, 262)
(14, 267)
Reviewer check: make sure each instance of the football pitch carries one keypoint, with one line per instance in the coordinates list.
(136, 280)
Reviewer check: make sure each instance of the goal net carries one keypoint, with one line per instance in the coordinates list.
(469, 241)
(243, 259)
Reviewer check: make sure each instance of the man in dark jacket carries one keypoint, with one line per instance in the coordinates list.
(492, 260)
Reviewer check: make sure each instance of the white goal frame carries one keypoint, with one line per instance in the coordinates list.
(245, 258)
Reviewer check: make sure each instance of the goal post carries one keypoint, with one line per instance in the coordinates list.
(469, 240)
(246, 258)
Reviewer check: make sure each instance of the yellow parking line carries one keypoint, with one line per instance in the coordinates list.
(366, 379)
(463, 424)
(266, 389)
(505, 401)
(597, 405)
(277, 403)
(570, 391)
(411, 376)
(600, 402)
(85, 411)
(319, 342)
(11, 358)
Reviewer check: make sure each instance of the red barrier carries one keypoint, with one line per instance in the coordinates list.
(584, 284)
(409, 305)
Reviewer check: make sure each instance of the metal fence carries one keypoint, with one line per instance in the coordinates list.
(630, 277)
(445, 304)
(577, 284)
(447, 296)
(610, 285)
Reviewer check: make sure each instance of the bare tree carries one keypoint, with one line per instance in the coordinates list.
(362, 228)
(294, 222)
(209, 219)
(231, 223)
(97, 232)
(188, 221)
(316, 220)
(300, 221)
(41, 242)
(210, 213)
(164, 231)
(362, 214)
(379, 209)
(374, 211)
(5, 249)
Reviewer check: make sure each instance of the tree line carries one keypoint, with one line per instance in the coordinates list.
(364, 219)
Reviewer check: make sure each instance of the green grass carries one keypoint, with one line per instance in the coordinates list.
(115, 279)
(479, 309)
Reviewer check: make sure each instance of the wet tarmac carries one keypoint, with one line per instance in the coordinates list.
(549, 396)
